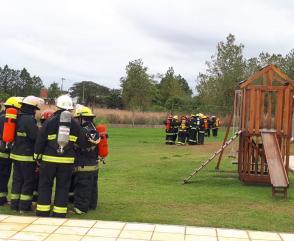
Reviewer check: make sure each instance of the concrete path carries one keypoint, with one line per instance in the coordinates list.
(52, 229)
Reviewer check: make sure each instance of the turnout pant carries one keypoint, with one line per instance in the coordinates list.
(86, 190)
(192, 136)
(182, 137)
(214, 131)
(23, 183)
(5, 170)
(48, 171)
(71, 193)
(201, 137)
(169, 137)
(207, 132)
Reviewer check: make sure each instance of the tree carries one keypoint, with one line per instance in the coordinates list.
(114, 99)
(138, 88)
(53, 92)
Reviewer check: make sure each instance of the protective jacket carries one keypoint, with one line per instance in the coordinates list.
(4, 153)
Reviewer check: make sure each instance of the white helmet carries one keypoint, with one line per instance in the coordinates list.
(33, 101)
(64, 102)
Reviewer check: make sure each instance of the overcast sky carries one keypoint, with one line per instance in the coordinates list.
(95, 40)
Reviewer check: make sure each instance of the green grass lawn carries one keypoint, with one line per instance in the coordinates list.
(142, 182)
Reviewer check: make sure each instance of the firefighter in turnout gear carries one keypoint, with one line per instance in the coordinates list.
(193, 131)
(182, 135)
(22, 153)
(86, 166)
(174, 129)
(215, 125)
(55, 150)
(200, 129)
(5, 162)
(205, 121)
(168, 130)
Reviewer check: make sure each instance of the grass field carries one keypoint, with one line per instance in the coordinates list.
(142, 182)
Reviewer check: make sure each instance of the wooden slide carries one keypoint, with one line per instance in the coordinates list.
(277, 171)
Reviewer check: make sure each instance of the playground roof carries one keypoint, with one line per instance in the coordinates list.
(268, 73)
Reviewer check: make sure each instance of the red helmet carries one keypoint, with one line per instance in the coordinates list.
(46, 114)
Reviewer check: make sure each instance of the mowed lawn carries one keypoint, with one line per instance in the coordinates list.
(143, 182)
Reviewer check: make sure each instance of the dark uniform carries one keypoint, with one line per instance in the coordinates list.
(168, 131)
(174, 129)
(215, 125)
(200, 130)
(55, 165)
(193, 131)
(5, 164)
(209, 126)
(86, 172)
(23, 162)
(182, 135)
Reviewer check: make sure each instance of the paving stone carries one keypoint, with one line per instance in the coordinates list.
(131, 234)
(167, 236)
(200, 238)
(3, 217)
(109, 224)
(287, 236)
(169, 229)
(50, 221)
(12, 226)
(41, 228)
(201, 231)
(140, 227)
(63, 237)
(90, 238)
(264, 235)
(79, 223)
(72, 230)
(19, 219)
(232, 239)
(104, 232)
(6, 233)
(123, 239)
(30, 236)
(231, 233)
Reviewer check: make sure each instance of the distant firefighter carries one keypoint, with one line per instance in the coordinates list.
(169, 130)
(215, 125)
(192, 133)
(182, 135)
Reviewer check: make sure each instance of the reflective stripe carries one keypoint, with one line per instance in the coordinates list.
(15, 196)
(3, 194)
(43, 208)
(4, 155)
(12, 116)
(21, 158)
(73, 138)
(59, 209)
(22, 134)
(37, 156)
(86, 168)
(51, 137)
(58, 159)
(71, 193)
(35, 193)
(24, 197)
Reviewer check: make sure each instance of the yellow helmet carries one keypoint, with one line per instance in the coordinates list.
(83, 111)
(176, 117)
(13, 102)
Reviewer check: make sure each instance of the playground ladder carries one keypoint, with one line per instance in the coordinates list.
(227, 143)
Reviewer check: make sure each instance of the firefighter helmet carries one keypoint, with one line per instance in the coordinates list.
(34, 101)
(83, 111)
(13, 102)
(175, 117)
(46, 114)
(64, 102)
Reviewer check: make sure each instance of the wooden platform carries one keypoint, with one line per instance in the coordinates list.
(277, 171)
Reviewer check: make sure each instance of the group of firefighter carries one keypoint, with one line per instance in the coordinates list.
(66, 147)
(190, 129)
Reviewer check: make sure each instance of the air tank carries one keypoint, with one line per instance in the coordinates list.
(63, 130)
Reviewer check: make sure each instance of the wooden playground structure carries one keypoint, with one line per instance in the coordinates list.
(263, 110)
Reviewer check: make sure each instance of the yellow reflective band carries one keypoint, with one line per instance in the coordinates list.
(58, 159)
(73, 138)
(3, 194)
(4, 155)
(12, 116)
(43, 208)
(87, 168)
(22, 134)
(24, 197)
(15, 196)
(37, 156)
(51, 137)
(21, 158)
(59, 209)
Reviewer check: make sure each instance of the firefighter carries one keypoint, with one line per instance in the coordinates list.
(55, 150)
(168, 130)
(86, 166)
(205, 121)
(182, 135)
(5, 162)
(209, 126)
(22, 153)
(46, 114)
(175, 128)
(193, 131)
(188, 120)
(200, 129)
(215, 125)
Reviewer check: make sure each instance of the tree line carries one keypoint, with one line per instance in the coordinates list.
(143, 91)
